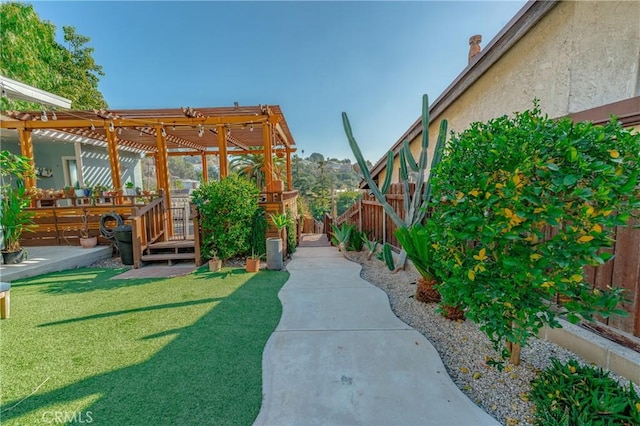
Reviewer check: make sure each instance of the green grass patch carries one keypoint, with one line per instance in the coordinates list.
(183, 350)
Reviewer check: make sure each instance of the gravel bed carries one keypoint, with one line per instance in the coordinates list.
(463, 348)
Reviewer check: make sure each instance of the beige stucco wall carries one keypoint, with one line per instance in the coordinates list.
(581, 55)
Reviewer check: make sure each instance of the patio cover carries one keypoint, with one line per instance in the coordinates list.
(219, 131)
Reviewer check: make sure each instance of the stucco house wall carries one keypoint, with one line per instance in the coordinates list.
(579, 55)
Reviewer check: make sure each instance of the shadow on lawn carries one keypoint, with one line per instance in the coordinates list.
(211, 373)
(130, 311)
(88, 279)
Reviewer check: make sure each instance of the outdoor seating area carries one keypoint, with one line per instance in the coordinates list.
(66, 216)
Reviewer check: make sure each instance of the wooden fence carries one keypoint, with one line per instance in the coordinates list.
(621, 271)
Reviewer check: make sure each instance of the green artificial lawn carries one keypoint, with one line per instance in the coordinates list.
(179, 351)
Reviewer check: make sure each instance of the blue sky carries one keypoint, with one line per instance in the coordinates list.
(373, 60)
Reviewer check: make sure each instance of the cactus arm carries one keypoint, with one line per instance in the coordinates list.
(410, 160)
(437, 156)
(387, 178)
(404, 173)
(425, 132)
(367, 174)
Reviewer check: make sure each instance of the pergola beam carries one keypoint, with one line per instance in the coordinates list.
(133, 122)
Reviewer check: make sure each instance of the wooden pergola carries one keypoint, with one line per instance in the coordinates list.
(222, 131)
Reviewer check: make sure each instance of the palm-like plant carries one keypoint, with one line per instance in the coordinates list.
(251, 166)
(14, 218)
(417, 242)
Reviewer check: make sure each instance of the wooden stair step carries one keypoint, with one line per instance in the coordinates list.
(172, 244)
(167, 256)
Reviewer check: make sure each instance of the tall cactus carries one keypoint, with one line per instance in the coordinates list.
(414, 205)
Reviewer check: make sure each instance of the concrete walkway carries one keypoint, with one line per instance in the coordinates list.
(42, 260)
(339, 355)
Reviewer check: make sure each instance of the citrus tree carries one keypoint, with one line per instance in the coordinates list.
(523, 203)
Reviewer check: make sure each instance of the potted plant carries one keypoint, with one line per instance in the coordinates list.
(85, 240)
(280, 221)
(15, 218)
(77, 191)
(253, 263)
(130, 188)
(215, 263)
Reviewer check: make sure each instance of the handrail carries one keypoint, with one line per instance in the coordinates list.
(148, 225)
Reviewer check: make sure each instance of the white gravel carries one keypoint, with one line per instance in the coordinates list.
(463, 348)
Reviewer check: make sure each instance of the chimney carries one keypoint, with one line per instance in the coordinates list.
(474, 46)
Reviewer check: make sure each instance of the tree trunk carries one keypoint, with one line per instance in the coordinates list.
(514, 351)
(425, 291)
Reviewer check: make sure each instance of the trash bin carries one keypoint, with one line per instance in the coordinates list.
(124, 239)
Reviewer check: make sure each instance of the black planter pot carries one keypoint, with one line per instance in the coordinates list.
(13, 257)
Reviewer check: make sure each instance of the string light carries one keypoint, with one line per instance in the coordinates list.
(201, 131)
(164, 133)
(53, 116)
(43, 115)
(92, 126)
(119, 130)
(111, 126)
(228, 131)
(251, 127)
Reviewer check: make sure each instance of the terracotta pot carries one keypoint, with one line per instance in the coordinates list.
(426, 292)
(253, 265)
(88, 242)
(215, 265)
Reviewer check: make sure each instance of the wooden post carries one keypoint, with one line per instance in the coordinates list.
(26, 149)
(268, 156)
(205, 170)
(162, 168)
(289, 180)
(114, 161)
(222, 149)
(159, 178)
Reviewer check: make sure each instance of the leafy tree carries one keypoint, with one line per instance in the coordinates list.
(347, 199)
(316, 157)
(227, 211)
(500, 186)
(181, 168)
(31, 55)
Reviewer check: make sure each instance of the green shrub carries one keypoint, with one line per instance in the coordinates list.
(227, 209)
(340, 235)
(500, 185)
(356, 240)
(572, 394)
(258, 235)
(292, 233)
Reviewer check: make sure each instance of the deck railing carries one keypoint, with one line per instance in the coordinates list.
(148, 225)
